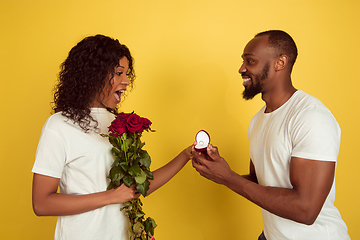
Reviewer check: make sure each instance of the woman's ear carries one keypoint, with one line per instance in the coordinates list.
(281, 63)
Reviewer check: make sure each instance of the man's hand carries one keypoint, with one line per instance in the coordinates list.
(211, 166)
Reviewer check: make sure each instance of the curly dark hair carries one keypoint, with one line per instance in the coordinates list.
(283, 43)
(83, 75)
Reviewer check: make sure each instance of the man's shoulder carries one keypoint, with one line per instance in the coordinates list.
(309, 109)
(303, 101)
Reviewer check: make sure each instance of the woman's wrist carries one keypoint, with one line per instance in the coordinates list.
(187, 153)
(108, 199)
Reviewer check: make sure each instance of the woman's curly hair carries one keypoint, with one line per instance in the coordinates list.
(83, 75)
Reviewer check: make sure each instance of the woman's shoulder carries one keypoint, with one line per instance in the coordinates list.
(60, 122)
(57, 121)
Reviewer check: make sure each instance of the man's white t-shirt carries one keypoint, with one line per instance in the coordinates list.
(82, 162)
(302, 127)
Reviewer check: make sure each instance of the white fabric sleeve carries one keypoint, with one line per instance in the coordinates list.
(50, 155)
(316, 135)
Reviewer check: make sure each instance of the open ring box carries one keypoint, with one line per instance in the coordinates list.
(202, 141)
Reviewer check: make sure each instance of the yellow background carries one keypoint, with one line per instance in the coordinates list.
(187, 54)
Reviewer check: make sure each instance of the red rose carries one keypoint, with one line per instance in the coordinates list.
(130, 122)
(118, 125)
(134, 124)
(146, 123)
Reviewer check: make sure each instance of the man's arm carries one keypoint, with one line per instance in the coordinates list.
(311, 180)
(252, 174)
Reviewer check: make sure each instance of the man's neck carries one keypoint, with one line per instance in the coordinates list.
(277, 97)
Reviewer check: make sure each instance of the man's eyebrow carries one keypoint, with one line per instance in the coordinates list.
(247, 54)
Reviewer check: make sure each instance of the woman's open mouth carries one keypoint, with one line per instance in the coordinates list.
(118, 93)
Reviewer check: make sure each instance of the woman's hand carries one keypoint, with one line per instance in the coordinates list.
(123, 194)
(189, 152)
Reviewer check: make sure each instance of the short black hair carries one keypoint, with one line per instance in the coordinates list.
(283, 44)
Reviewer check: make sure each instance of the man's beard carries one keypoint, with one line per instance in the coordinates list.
(256, 83)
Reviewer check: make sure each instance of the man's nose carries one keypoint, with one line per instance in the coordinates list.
(242, 69)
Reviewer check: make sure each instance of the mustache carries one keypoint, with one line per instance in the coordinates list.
(245, 75)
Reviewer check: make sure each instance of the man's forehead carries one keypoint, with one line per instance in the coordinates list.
(256, 46)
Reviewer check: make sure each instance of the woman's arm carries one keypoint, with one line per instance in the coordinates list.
(168, 171)
(47, 202)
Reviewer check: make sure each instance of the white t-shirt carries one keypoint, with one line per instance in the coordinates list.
(82, 162)
(302, 127)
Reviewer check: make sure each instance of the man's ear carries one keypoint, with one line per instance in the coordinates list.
(281, 63)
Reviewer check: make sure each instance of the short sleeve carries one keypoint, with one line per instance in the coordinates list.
(315, 135)
(50, 155)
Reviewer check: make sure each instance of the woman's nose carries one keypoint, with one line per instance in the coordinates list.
(125, 81)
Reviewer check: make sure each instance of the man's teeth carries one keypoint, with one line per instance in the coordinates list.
(246, 79)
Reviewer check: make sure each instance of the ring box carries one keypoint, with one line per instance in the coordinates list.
(202, 139)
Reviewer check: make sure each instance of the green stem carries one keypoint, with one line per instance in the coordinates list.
(123, 140)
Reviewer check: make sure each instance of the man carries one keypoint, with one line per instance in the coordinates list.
(294, 142)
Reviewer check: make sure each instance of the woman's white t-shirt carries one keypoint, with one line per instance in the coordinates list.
(82, 162)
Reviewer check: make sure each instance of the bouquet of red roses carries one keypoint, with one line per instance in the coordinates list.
(132, 166)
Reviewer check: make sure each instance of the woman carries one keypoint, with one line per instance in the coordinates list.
(72, 154)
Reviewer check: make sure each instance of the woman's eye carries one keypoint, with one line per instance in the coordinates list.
(119, 73)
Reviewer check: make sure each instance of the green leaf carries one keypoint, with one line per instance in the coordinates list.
(150, 225)
(129, 141)
(124, 166)
(135, 161)
(145, 159)
(141, 145)
(130, 156)
(135, 170)
(116, 162)
(111, 186)
(141, 178)
(115, 151)
(128, 180)
(132, 149)
(138, 228)
(113, 141)
(153, 222)
(140, 214)
(149, 174)
(116, 174)
(143, 188)
(115, 170)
